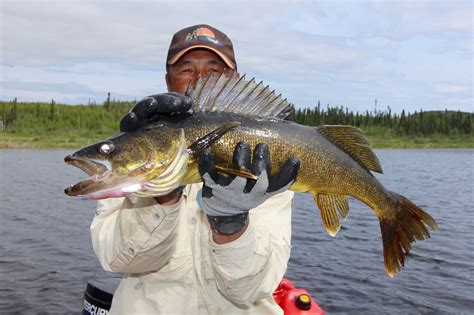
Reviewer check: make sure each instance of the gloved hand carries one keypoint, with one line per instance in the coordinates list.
(151, 107)
(227, 199)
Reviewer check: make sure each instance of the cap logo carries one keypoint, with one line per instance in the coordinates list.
(203, 33)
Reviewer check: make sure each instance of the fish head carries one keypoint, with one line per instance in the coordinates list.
(131, 163)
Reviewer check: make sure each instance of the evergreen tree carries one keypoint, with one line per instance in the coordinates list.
(37, 110)
(3, 121)
(389, 117)
(13, 112)
(466, 125)
(51, 110)
(107, 102)
(421, 122)
(446, 124)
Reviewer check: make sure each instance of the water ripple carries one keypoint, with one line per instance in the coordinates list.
(47, 257)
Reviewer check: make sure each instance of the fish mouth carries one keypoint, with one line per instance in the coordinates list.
(99, 172)
(103, 183)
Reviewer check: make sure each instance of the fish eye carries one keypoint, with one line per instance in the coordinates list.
(106, 148)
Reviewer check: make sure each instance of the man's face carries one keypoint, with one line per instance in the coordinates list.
(198, 62)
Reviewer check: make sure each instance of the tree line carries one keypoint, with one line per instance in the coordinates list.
(36, 117)
(404, 124)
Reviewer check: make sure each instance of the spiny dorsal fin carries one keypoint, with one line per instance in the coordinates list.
(329, 206)
(237, 95)
(352, 141)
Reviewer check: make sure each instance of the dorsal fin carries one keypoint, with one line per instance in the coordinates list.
(234, 94)
(352, 141)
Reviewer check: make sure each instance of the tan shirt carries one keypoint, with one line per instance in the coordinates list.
(171, 265)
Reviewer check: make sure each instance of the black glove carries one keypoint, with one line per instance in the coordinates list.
(227, 199)
(151, 107)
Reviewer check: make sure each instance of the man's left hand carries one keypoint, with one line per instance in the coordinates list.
(225, 197)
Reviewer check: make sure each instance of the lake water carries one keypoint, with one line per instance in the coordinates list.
(47, 258)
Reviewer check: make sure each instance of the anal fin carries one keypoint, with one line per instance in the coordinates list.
(329, 206)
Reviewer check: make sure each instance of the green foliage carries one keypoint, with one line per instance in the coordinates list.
(59, 125)
(385, 123)
(42, 119)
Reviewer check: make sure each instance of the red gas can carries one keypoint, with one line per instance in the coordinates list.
(295, 301)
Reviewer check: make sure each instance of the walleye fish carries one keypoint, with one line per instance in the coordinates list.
(336, 161)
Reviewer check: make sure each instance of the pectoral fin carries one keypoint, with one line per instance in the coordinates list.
(206, 141)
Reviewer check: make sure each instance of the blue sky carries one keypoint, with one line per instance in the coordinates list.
(406, 54)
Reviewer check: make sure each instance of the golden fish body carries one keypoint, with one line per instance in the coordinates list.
(336, 161)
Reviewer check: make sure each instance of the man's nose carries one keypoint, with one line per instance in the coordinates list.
(201, 73)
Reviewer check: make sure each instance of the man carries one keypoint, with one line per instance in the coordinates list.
(220, 247)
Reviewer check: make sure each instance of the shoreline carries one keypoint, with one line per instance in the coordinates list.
(57, 142)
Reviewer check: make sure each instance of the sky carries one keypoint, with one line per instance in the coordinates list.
(408, 55)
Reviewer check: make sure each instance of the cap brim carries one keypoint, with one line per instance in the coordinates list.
(180, 54)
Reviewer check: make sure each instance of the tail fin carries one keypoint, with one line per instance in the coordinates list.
(409, 224)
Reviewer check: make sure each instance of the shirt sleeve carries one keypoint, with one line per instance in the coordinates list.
(251, 267)
(134, 235)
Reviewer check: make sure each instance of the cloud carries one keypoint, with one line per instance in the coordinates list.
(79, 82)
(429, 17)
(404, 53)
(454, 89)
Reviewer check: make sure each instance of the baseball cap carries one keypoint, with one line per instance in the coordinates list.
(201, 36)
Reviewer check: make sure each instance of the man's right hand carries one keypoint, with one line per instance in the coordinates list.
(151, 107)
